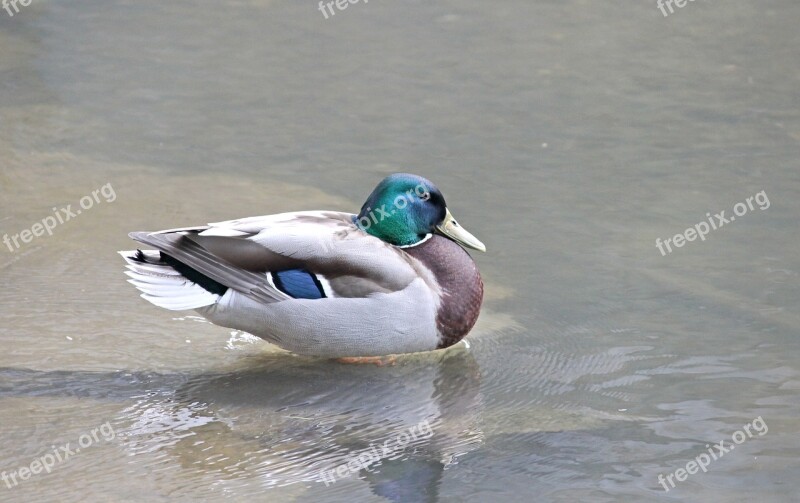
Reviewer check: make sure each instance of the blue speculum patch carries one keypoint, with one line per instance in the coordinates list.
(298, 283)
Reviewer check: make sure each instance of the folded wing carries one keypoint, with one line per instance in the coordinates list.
(309, 255)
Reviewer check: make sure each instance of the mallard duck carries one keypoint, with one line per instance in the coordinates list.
(392, 279)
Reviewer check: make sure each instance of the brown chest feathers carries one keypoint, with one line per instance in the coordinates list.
(461, 285)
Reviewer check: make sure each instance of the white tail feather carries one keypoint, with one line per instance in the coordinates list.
(164, 286)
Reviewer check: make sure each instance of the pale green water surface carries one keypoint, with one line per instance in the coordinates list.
(567, 135)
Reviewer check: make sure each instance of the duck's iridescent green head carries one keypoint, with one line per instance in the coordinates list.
(404, 209)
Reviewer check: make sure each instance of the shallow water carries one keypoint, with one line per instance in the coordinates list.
(568, 136)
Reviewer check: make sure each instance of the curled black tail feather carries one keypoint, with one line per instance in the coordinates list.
(193, 275)
(142, 258)
(187, 272)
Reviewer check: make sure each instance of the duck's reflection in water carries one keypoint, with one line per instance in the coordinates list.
(284, 419)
